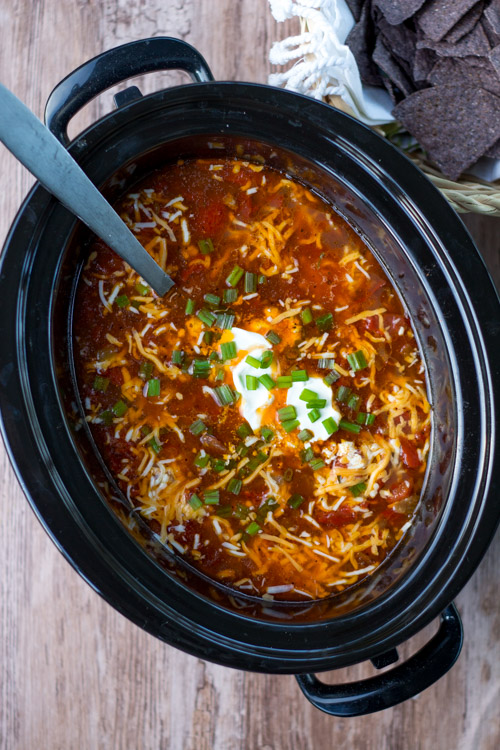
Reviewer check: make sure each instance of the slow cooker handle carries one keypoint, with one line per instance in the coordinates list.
(116, 65)
(396, 685)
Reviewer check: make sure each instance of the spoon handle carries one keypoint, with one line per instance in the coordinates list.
(40, 152)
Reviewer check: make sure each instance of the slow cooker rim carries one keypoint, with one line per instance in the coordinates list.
(23, 208)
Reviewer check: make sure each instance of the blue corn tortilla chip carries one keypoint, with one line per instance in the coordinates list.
(355, 6)
(494, 58)
(438, 17)
(397, 11)
(361, 42)
(455, 124)
(466, 71)
(393, 70)
(400, 40)
(474, 43)
(466, 24)
(494, 151)
(423, 63)
(492, 16)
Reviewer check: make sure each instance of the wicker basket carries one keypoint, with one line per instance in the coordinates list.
(467, 195)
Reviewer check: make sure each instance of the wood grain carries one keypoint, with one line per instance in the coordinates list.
(75, 674)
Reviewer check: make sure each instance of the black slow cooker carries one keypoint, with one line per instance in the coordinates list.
(445, 287)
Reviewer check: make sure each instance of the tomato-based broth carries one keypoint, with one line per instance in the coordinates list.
(268, 418)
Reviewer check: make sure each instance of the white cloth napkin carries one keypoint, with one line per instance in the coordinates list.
(325, 66)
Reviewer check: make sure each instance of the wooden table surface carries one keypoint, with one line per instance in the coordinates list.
(76, 675)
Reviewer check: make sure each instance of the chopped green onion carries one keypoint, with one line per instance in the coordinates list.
(331, 378)
(155, 447)
(266, 359)
(212, 300)
(306, 316)
(314, 415)
(316, 463)
(252, 528)
(224, 511)
(244, 430)
(201, 368)
(242, 449)
(122, 300)
(284, 381)
(256, 461)
(288, 475)
(224, 395)
(253, 361)
(142, 289)
(273, 337)
(189, 307)
(305, 435)
(295, 500)
(308, 395)
(353, 401)
(250, 282)
(252, 383)
(349, 426)
(218, 464)
(177, 356)
(220, 374)
(208, 337)
(153, 387)
(267, 381)
(241, 511)
(197, 427)
(145, 429)
(316, 403)
(228, 350)
(364, 418)
(195, 502)
(145, 370)
(267, 433)
(358, 489)
(211, 497)
(357, 360)
(299, 376)
(120, 408)
(100, 384)
(343, 394)
(230, 295)
(234, 486)
(262, 279)
(307, 455)
(325, 363)
(325, 322)
(206, 316)
(287, 412)
(106, 417)
(206, 246)
(290, 424)
(330, 425)
(234, 276)
(135, 303)
(269, 505)
(201, 459)
(225, 321)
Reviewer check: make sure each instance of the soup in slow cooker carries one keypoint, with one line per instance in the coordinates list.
(268, 418)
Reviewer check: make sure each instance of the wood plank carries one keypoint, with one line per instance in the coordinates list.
(75, 673)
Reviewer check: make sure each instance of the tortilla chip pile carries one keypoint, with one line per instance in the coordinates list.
(440, 62)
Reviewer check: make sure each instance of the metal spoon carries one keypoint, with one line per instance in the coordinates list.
(40, 152)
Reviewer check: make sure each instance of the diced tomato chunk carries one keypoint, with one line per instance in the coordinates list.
(401, 490)
(335, 519)
(115, 375)
(409, 454)
(211, 219)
